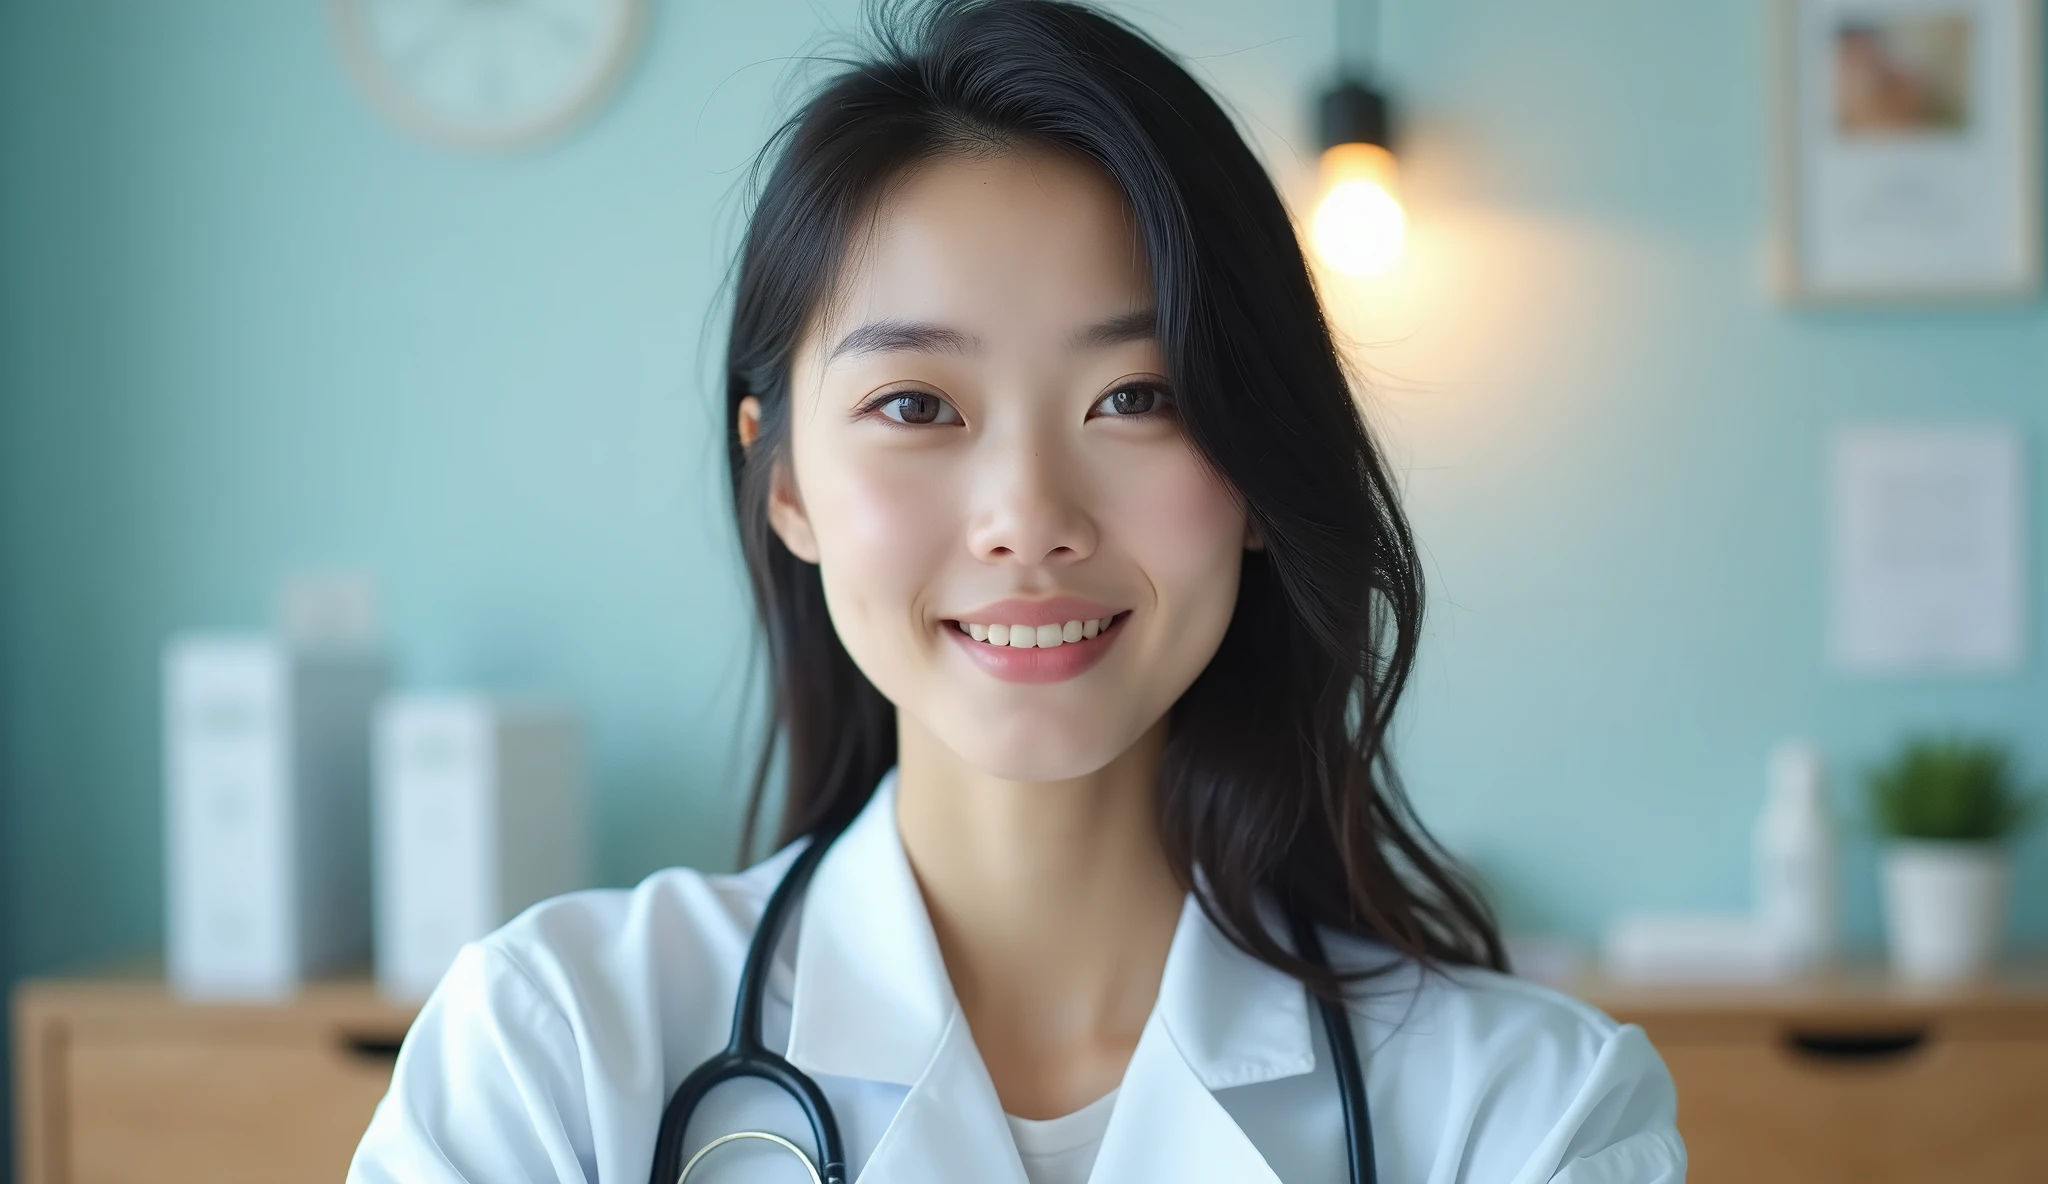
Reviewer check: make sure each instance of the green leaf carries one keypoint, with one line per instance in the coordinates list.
(1949, 787)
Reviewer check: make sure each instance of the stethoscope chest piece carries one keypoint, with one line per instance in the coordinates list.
(765, 1137)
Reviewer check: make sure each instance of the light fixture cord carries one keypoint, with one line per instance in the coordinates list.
(1358, 36)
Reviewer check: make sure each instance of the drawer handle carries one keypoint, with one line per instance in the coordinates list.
(370, 1047)
(1859, 1047)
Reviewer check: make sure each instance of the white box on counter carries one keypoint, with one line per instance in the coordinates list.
(478, 814)
(266, 811)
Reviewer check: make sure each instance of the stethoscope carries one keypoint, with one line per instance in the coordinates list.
(746, 1056)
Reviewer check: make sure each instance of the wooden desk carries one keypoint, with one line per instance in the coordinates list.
(1850, 1078)
(1853, 1077)
(117, 1081)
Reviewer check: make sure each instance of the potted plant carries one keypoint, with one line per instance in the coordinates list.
(1946, 805)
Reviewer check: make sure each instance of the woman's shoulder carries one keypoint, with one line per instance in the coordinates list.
(1490, 1004)
(570, 1019)
(678, 923)
(1475, 1003)
(677, 903)
(1527, 1073)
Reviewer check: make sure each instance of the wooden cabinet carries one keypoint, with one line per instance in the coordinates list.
(1845, 1079)
(1853, 1078)
(118, 1082)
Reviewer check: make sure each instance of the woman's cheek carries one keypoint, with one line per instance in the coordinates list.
(1187, 528)
(878, 529)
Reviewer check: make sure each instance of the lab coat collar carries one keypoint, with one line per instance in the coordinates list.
(871, 1000)
(1235, 1020)
(870, 997)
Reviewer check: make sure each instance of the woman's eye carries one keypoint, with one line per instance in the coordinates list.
(1139, 399)
(917, 408)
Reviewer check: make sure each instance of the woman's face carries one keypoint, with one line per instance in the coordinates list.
(984, 451)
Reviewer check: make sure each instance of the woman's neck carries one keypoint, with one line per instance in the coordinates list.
(1054, 906)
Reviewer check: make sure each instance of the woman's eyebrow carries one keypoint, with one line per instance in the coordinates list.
(1138, 325)
(889, 336)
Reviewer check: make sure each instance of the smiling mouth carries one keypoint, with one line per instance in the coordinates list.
(1042, 637)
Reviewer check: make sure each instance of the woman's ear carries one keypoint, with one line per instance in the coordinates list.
(786, 515)
(1253, 540)
(750, 422)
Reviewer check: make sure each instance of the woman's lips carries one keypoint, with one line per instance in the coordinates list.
(1049, 611)
(1057, 664)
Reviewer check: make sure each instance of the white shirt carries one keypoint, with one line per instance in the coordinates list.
(548, 1051)
(1062, 1150)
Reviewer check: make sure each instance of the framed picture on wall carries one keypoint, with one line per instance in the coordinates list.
(1908, 149)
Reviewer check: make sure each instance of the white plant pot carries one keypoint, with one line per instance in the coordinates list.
(1944, 908)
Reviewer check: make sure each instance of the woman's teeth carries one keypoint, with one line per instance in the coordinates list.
(1026, 637)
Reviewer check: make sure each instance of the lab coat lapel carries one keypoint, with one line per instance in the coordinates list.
(871, 1000)
(1167, 1125)
(1223, 1019)
(951, 1126)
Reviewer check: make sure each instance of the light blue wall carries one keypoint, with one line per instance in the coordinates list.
(1624, 507)
(245, 325)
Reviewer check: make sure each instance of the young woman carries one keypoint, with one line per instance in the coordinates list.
(1088, 601)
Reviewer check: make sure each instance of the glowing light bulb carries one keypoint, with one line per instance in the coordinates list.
(1358, 227)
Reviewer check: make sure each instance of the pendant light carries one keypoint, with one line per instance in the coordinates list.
(1358, 226)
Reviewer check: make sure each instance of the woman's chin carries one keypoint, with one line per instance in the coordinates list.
(1030, 767)
(1049, 752)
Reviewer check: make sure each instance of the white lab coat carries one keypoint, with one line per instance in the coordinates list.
(549, 1049)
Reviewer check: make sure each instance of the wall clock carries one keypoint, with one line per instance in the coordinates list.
(488, 74)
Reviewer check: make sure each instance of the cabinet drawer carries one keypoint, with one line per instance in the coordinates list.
(119, 1082)
(1843, 1108)
(154, 1110)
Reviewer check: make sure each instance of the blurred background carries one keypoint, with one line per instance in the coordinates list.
(252, 326)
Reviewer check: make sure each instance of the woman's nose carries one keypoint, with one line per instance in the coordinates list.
(1029, 506)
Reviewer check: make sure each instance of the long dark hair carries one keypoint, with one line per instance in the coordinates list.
(1276, 776)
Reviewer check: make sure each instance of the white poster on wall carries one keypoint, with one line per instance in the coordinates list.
(1929, 549)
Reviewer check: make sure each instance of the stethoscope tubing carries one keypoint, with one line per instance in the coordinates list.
(745, 1056)
(1343, 1061)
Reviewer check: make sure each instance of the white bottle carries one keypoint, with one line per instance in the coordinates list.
(1796, 879)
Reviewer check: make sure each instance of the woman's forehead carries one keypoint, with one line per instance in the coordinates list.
(1025, 248)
